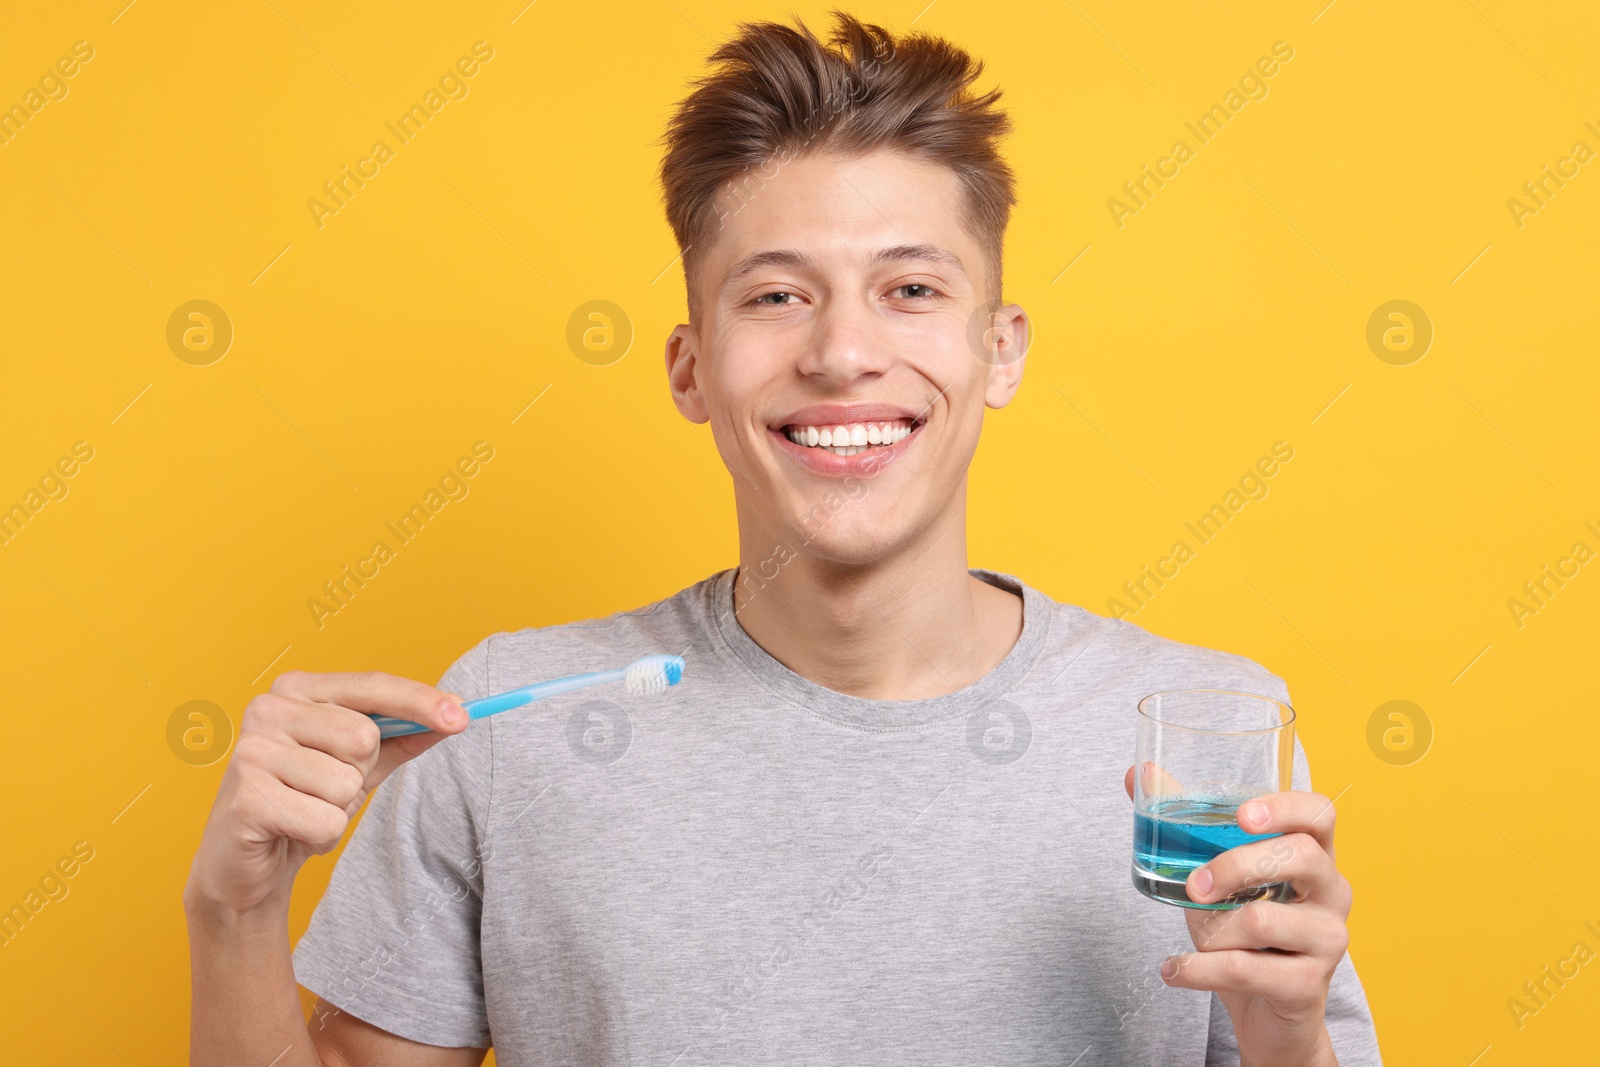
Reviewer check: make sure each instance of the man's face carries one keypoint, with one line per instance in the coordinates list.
(842, 292)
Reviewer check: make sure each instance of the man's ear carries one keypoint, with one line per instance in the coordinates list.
(683, 350)
(1012, 333)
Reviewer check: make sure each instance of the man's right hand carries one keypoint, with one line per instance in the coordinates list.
(307, 757)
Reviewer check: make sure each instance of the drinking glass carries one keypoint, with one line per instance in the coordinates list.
(1200, 754)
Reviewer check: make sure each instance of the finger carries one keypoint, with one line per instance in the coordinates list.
(290, 813)
(377, 693)
(340, 732)
(1286, 979)
(1293, 858)
(347, 735)
(1269, 924)
(1291, 811)
(317, 774)
(1154, 781)
(354, 738)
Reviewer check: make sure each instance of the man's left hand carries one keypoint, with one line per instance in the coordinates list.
(1276, 998)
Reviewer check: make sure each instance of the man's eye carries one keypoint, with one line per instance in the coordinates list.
(927, 290)
(766, 298)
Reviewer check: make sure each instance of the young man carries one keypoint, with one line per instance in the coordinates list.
(884, 818)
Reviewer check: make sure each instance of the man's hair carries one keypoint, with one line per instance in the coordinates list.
(777, 94)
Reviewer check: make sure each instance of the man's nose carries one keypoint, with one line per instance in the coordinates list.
(848, 340)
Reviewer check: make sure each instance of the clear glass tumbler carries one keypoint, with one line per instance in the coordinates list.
(1200, 754)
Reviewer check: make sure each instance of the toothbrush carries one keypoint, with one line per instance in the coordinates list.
(647, 674)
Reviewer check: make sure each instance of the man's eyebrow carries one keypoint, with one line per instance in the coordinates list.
(923, 252)
(788, 257)
(774, 257)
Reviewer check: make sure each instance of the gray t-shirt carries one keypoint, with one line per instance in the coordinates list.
(751, 868)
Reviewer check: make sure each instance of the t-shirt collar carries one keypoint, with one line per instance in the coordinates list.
(729, 638)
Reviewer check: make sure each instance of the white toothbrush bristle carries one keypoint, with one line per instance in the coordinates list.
(652, 674)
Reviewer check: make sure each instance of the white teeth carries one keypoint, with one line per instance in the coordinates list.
(848, 440)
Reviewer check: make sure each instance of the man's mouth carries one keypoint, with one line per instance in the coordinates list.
(847, 439)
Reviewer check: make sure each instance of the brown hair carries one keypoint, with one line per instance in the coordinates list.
(777, 94)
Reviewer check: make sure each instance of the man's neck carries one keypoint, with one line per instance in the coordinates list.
(915, 627)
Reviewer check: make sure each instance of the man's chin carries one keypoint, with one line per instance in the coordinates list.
(853, 545)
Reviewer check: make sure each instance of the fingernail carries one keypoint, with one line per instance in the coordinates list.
(1169, 968)
(1256, 812)
(452, 713)
(1200, 883)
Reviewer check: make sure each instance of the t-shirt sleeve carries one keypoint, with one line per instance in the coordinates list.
(395, 939)
(1348, 1019)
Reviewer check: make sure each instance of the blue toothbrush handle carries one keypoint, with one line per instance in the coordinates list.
(389, 726)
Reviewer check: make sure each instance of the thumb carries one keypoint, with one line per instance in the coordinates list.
(1156, 781)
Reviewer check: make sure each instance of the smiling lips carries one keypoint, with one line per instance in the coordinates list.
(841, 439)
(841, 456)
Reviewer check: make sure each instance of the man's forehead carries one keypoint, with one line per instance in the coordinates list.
(902, 197)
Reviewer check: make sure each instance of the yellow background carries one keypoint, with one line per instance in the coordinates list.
(369, 354)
